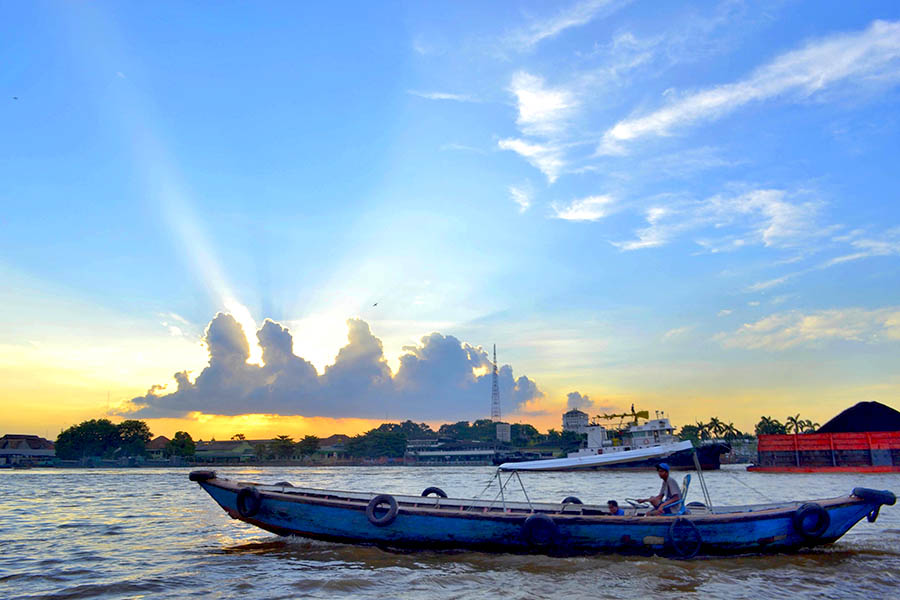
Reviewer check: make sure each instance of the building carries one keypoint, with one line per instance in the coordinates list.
(334, 447)
(156, 449)
(231, 451)
(447, 452)
(576, 420)
(504, 432)
(25, 449)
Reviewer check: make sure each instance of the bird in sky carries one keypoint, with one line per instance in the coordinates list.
(15, 97)
(376, 304)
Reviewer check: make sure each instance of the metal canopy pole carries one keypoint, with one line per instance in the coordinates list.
(702, 481)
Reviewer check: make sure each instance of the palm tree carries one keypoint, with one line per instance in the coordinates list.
(794, 423)
(731, 431)
(808, 426)
(716, 426)
(702, 430)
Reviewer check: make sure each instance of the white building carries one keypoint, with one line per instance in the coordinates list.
(576, 421)
(504, 432)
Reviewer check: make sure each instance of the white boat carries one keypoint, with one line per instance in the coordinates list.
(621, 458)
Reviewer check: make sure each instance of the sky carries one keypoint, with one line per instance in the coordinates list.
(312, 218)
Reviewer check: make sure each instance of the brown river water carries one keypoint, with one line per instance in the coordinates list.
(145, 533)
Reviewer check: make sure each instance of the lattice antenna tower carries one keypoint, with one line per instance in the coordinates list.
(495, 391)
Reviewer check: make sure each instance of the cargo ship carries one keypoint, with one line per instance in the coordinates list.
(865, 438)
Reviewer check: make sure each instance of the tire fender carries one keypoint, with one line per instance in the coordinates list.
(811, 520)
(540, 530)
(249, 501)
(388, 517)
(571, 500)
(434, 490)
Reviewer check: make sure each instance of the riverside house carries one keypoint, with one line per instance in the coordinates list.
(25, 449)
(231, 451)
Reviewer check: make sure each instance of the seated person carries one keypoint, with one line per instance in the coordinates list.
(669, 494)
(614, 509)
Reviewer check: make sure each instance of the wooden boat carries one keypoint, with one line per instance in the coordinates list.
(570, 527)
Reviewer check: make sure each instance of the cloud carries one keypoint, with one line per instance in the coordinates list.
(547, 158)
(542, 110)
(576, 15)
(521, 196)
(724, 312)
(678, 332)
(584, 403)
(439, 378)
(783, 331)
(442, 96)
(870, 56)
(592, 208)
(759, 217)
(865, 247)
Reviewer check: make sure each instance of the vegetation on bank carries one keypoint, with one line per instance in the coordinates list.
(101, 438)
(718, 429)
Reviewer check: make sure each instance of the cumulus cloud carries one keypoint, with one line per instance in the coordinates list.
(787, 330)
(867, 57)
(584, 403)
(439, 378)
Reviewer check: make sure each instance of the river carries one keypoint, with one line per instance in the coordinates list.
(131, 533)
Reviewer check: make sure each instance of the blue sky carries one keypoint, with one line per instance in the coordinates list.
(692, 208)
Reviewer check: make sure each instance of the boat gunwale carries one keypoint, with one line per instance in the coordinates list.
(521, 510)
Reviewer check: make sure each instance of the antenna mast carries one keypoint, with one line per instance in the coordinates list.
(495, 391)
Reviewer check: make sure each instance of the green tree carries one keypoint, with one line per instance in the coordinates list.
(385, 441)
(134, 437)
(794, 424)
(97, 437)
(283, 446)
(523, 434)
(716, 427)
(308, 445)
(807, 426)
(180, 445)
(690, 432)
(703, 430)
(768, 425)
(261, 450)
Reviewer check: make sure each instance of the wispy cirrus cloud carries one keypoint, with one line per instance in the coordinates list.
(547, 158)
(783, 331)
(543, 113)
(871, 56)
(576, 15)
(865, 246)
(765, 217)
(592, 208)
(442, 96)
(522, 196)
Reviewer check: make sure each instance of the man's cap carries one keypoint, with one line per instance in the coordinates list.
(662, 467)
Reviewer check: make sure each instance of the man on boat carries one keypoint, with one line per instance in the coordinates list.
(614, 509)
(669, 494)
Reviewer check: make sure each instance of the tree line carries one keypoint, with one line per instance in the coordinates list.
(101, 438)
(715, 428)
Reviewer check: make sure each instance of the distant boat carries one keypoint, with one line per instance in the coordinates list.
(635, 446)
(635, 459)
(566, 528)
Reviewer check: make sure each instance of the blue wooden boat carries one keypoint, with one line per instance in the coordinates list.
(437, 522)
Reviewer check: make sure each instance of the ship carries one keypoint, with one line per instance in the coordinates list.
(634, 445)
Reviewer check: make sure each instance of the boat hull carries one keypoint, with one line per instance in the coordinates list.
(563, 529)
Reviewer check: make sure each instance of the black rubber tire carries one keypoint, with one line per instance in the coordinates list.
(388, 517)
(434, 490)
(249, 501)
(811, 521)
(284, 484)
(540, 530)
(685, 538)
(571, 500)
(201, 475)
(879, 496)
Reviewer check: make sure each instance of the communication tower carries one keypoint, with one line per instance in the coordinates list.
(495, 391)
